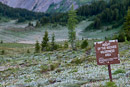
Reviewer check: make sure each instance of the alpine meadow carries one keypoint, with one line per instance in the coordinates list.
(64, 43)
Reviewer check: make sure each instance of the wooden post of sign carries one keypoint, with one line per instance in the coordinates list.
(109, 70)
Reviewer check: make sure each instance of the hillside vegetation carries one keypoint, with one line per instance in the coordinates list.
(57, 50)
(101, 12)
(20, 66)
(17, 13)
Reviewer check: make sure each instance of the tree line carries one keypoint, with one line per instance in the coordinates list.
(18, 13)
(103, 12)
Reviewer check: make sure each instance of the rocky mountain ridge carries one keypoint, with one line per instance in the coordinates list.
(45, 5)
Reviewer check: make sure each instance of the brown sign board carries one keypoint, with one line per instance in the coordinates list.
(107, 52)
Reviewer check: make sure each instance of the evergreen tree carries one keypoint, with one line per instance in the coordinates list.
(30, 24)
(44, 44)
(37, 47)
(97, 23)
(71, 27)
(126, 25)
(53, 42)
(38, 24)
(1, 41)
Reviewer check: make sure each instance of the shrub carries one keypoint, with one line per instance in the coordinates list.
(121, 37)
(72, 71)
(1, 41)
(60, 47)
(78, 44)
(44, 68)
(52, 66)
(78, 61)
(28, 80)
(88, 48)
(119, 71)
(55, 47)
(2, 52)
(84, 44)
(28, 51)
(110, 84)
(128, 35)
(66, 44)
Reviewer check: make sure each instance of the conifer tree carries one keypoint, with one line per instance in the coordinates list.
(126, 25)
(30, 24)
(71, 27)
(45, 40)
(53, 42)
(37, 47)
(1, 41)
(37, 24)
(97, 23)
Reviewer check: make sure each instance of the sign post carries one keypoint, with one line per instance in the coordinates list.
(109, 70)
(107, 54)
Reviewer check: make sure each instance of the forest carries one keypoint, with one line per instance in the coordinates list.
(18, 13)
(101, 12)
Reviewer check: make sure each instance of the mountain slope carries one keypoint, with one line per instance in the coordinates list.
(45, 5)
(18, 13)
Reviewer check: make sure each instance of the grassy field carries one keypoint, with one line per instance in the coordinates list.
(12, 32)
(100, 34)
(61, 68)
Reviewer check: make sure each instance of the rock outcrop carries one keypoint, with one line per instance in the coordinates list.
(44, 5)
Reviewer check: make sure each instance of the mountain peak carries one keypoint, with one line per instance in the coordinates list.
(44, 5)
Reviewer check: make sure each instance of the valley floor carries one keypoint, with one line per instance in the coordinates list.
(20, 33)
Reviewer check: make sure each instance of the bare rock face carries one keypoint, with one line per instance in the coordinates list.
(42, 5)
(35, 5)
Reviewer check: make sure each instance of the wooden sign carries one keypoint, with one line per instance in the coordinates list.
(107, 52)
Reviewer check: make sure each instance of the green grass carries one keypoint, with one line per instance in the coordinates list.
(110, 84)
(100, 33)
(119, 71)
(4, 19)
(15, 45)
(11, 49)
(34, 68)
